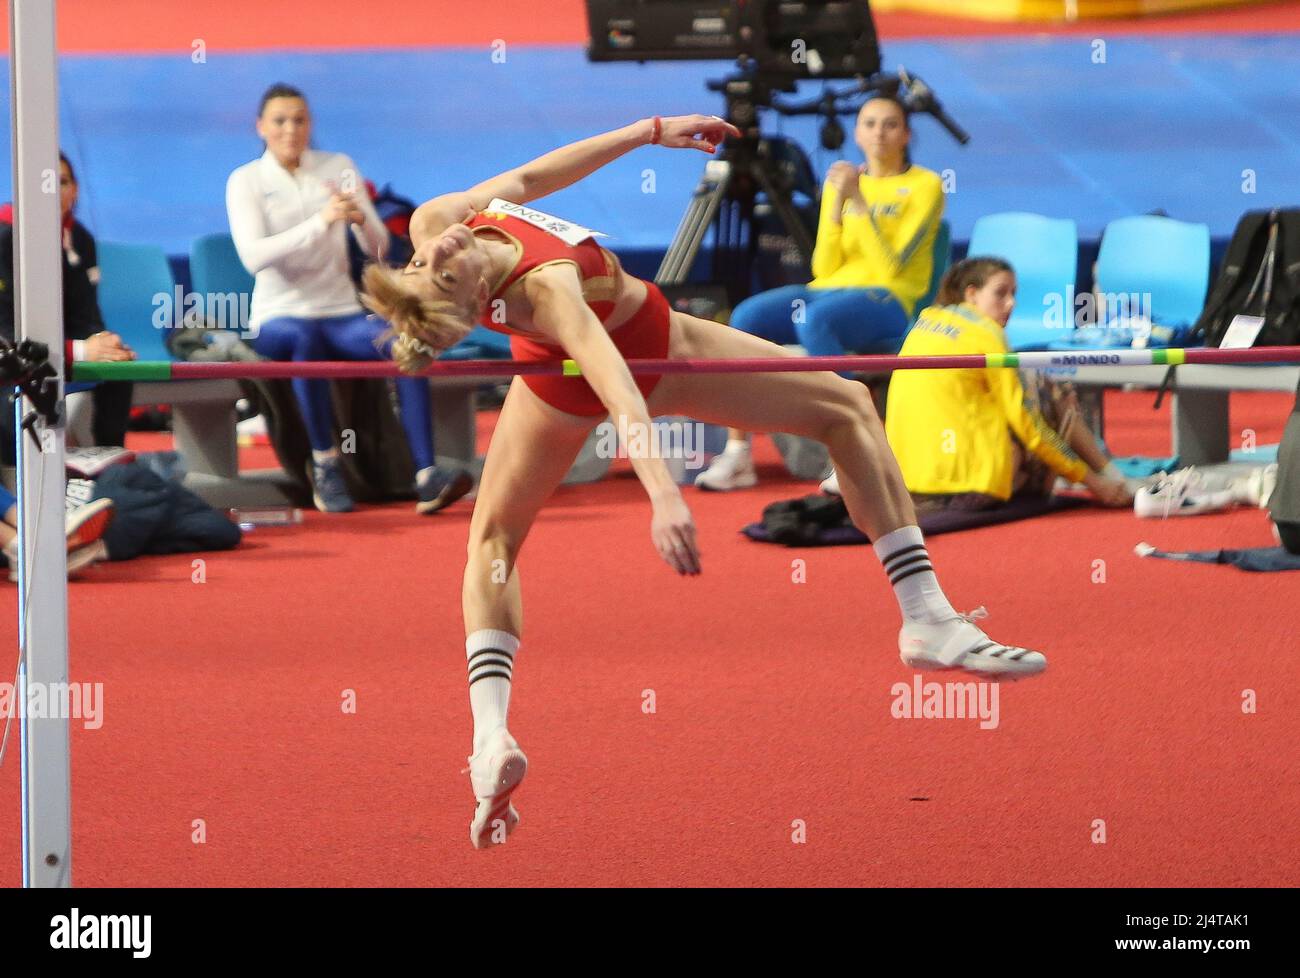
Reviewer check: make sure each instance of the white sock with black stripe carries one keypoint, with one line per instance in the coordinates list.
(903, 555)
(490, 656)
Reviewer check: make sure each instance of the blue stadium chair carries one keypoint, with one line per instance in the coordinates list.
(221, 279)
(1167, 260)
(1044, 251)
(135, 289)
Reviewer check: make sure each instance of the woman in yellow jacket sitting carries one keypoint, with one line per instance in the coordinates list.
(971, 439)
(873, 263)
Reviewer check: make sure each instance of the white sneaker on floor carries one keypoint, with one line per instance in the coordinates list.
(959, 644)
(1181, 494)
(730, 470)
(1256, 488)
(831, 484)
(495, 772)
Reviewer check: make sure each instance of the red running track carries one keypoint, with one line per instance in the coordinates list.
(772, 704)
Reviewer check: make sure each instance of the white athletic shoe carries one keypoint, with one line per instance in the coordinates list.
(1256, 488)
(831, 484)
(1181, 494)
(730, 470)
(958, 644)
(495, 773)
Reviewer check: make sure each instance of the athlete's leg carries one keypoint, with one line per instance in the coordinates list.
(532, 448)
(771, 315)
(824, 406)
(840, 413)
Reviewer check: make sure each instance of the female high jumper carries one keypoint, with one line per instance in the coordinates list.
(481, 256)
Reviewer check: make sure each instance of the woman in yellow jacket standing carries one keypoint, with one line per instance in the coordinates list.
(872, 264)
(971, 439)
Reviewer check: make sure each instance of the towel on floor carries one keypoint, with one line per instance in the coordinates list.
(1140, 467)
(1256, 559)
(1259, 455)
(823, 521)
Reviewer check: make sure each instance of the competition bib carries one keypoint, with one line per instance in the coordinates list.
(566, 231)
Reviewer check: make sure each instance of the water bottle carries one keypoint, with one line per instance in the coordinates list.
(266, 516)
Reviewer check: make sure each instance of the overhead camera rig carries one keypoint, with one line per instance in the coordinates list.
(774, 44)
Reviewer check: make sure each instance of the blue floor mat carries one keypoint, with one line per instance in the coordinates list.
(1171, 122)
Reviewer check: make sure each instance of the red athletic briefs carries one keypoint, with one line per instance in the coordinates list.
(644, 336)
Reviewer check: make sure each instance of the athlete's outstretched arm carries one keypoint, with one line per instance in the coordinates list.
(567, 165)
(561, 313)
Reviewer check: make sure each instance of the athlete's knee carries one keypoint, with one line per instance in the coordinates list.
(851, 424)
(493, 544)
(851, 408)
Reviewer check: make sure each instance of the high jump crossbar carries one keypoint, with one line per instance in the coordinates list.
(338, 369)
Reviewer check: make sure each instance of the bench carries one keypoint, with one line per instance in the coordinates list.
(1199, 417)
(203, 425)
(1200, 392)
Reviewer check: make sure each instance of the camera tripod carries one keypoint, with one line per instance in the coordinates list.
(726, 196)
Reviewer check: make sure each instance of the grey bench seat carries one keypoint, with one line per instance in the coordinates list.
(203, 424)
(1199, 416)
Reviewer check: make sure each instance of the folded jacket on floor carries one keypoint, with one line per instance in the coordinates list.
(823, 521)
(155, 516)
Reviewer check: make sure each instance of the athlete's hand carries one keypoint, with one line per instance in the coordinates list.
(673, 532)
(843, 176)
(702, 132)
(1108, 491)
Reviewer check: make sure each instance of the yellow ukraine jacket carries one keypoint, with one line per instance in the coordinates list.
(889, 246)
(951, 429)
